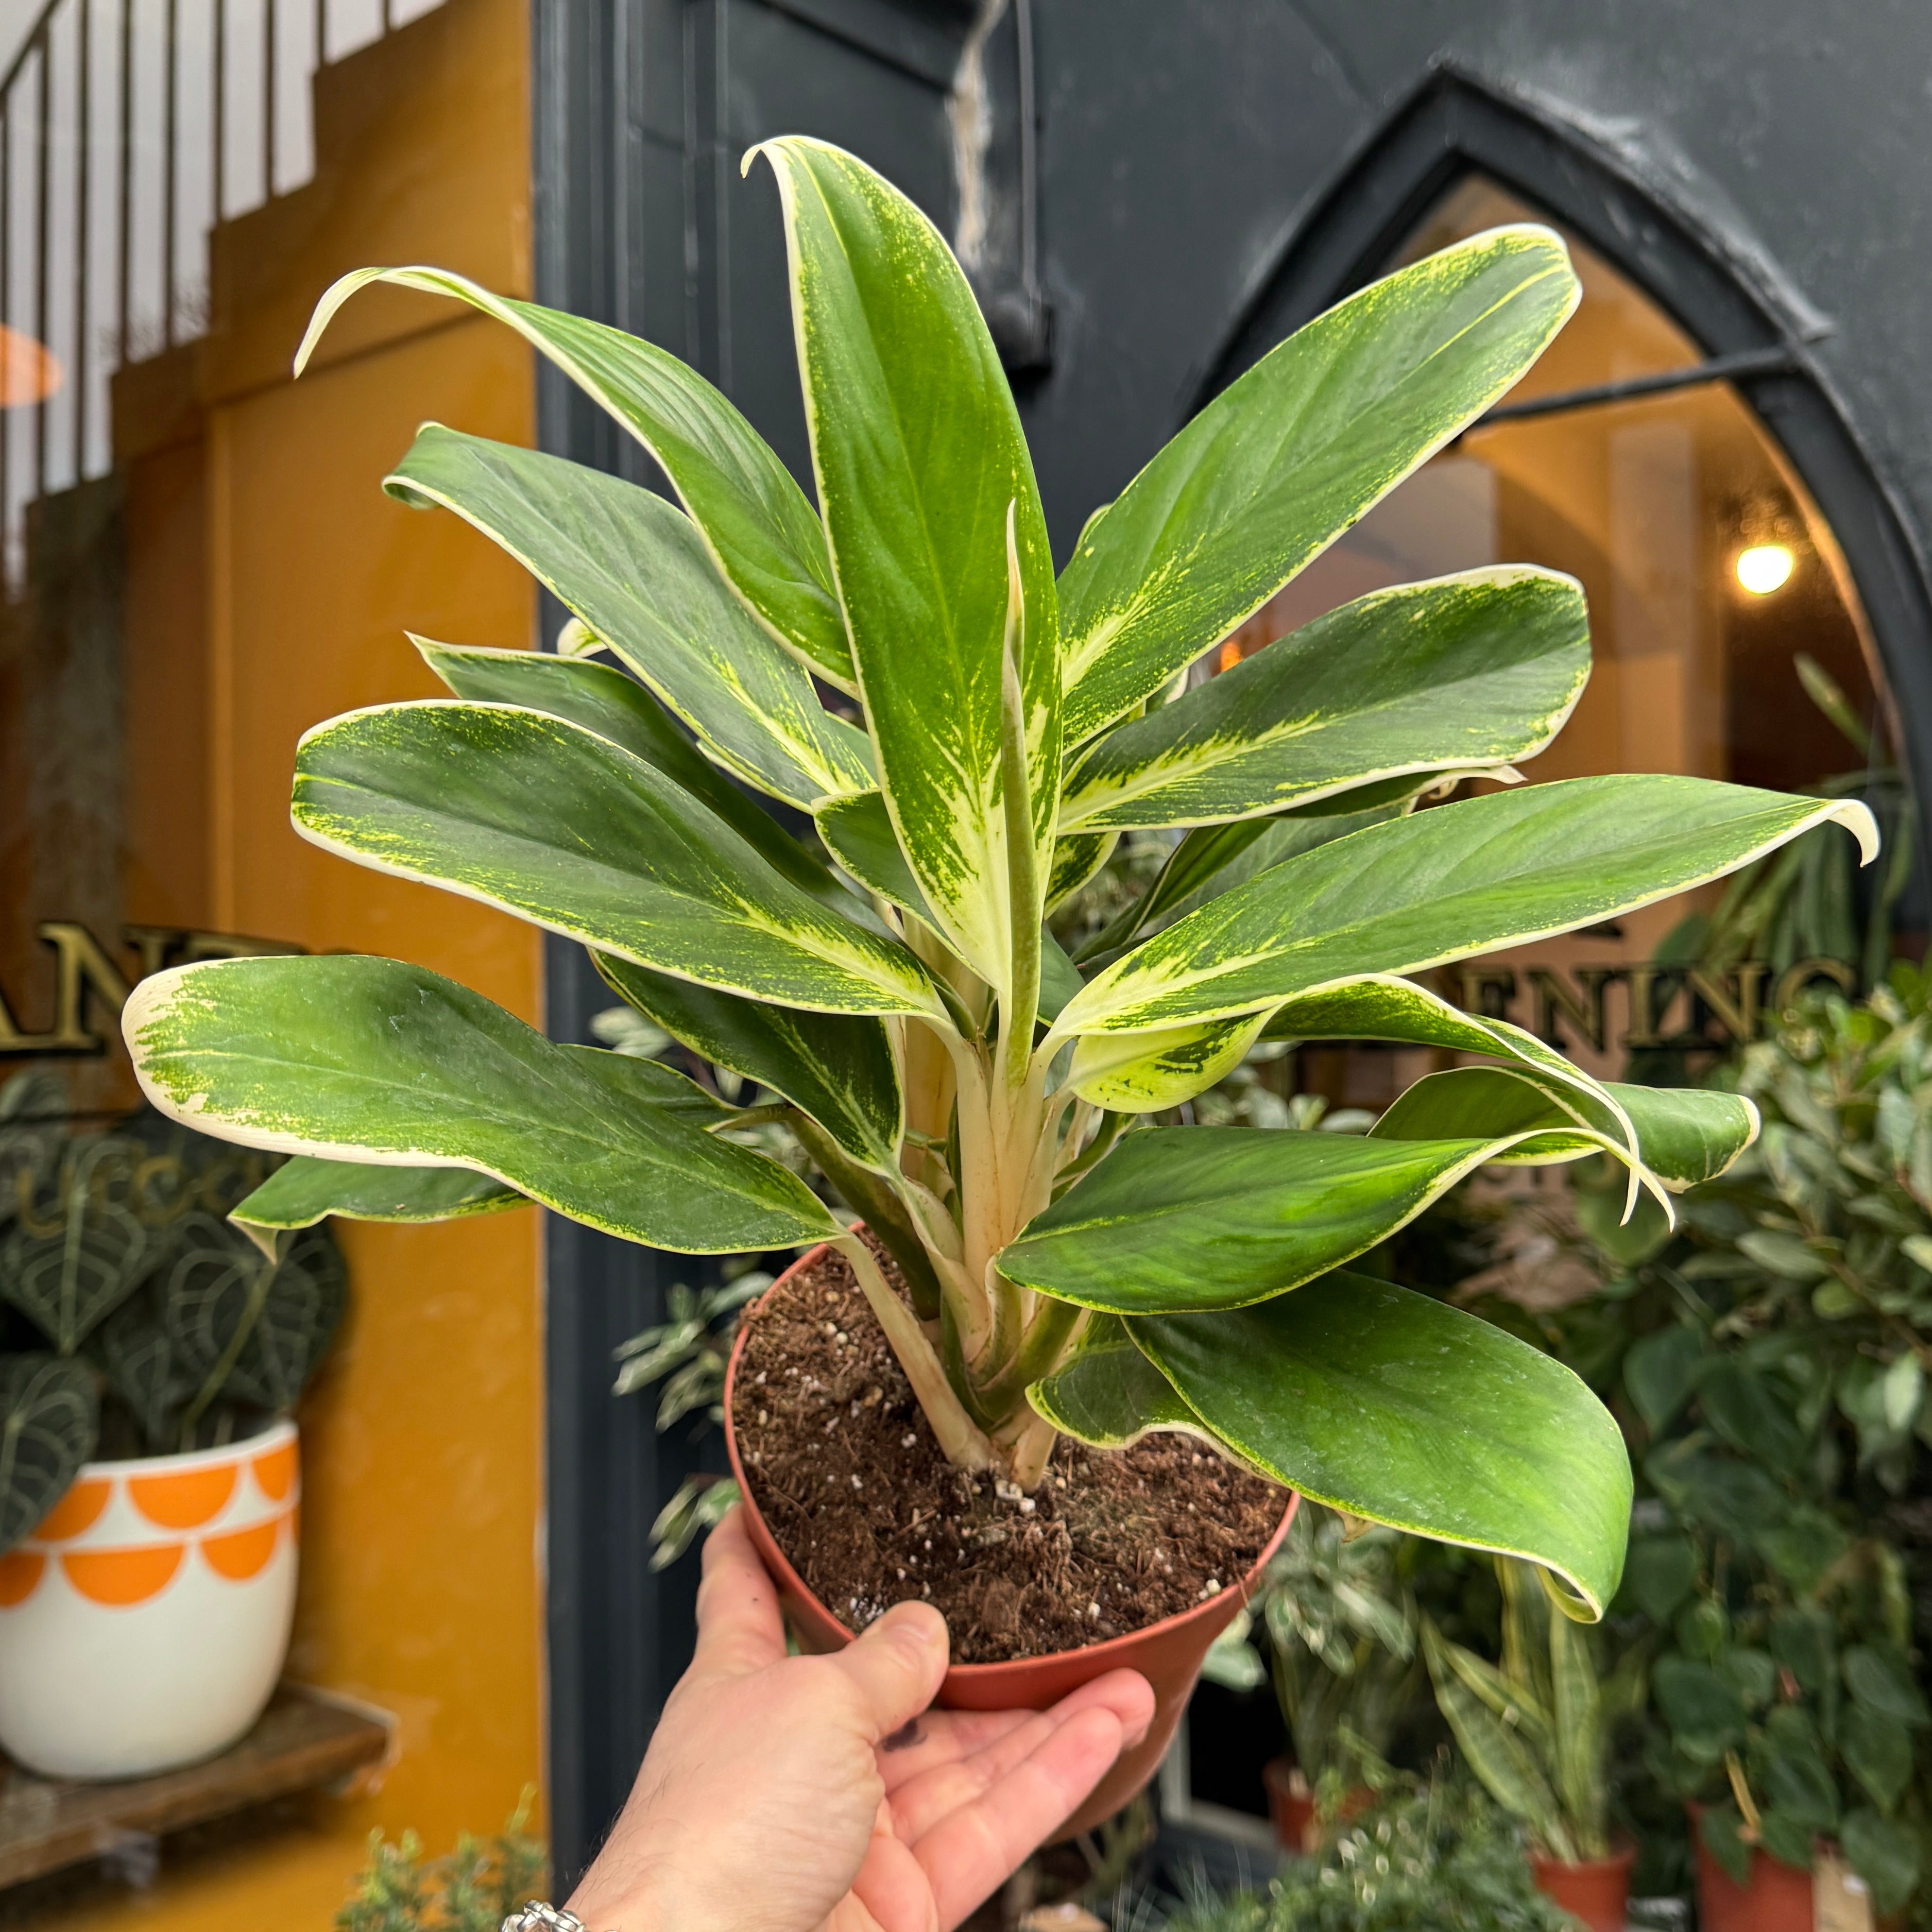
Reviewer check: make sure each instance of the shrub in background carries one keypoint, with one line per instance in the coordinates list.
(1433, 1857)
(1768, 1360)
(473, 1889)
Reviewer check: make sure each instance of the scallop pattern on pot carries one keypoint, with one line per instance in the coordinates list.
(124, 1532)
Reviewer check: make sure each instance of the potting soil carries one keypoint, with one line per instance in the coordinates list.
(858, 1495)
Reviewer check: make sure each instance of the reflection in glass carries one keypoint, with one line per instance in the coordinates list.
(1711, 576)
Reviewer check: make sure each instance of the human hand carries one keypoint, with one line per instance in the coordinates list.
(785, 1794)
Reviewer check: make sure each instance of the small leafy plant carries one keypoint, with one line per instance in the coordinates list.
(1440, 1856)
(970, 736)
(1341, 1639)
(1536, 1729)
(688, 1353)
(474, 1889)
(150, 1324)
(1775, 1390)
(1793, 1714)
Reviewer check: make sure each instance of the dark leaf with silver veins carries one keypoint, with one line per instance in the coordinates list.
(260, 1326)
(68, 1281)
(49, 1421)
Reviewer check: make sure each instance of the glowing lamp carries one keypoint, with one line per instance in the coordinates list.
(1764, 568)
(29, 372)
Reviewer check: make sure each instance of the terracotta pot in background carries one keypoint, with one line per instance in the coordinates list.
(1597, 1890)
(1773, 1898)
(1168, 1654)
(144, 1622)
(1291, 1805)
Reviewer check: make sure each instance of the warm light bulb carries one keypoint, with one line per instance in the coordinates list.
(1764, 568)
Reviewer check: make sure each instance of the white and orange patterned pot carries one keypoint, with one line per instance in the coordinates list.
(144, 1622)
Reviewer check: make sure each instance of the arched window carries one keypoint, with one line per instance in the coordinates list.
(1730, 643)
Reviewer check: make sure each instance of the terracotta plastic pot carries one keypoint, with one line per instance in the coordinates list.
(144, 1622)
(1774, 1897)
(1291, 1805)
(1168, 1654)
(1597, 1890)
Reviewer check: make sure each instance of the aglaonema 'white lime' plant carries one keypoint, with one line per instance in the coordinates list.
(974, 1093)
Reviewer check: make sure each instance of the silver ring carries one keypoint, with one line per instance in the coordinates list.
(536, 1916)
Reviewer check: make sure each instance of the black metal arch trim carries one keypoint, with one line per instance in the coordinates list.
(1455, 124)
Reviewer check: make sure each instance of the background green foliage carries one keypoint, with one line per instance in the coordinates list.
(473, 1889)
(1438, 1854)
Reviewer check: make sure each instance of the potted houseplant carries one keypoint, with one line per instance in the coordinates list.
(1771, 1380)
(1535, 1730)
(1440, 1855)
(1791, 1711)
(1339, 1628)
(1049, 1285)
(150, 1484)
(1790, 1705)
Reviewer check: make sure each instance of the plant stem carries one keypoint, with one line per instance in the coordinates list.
(1047, 1335)
(1032, 1450)
(959, 1437)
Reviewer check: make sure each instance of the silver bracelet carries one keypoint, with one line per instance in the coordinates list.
(536, 1916)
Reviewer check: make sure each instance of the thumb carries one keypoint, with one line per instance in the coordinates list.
(895, 1665)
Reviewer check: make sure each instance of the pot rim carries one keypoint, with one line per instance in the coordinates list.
(1624, 1855)
(1110, 1651)
(282, 1429)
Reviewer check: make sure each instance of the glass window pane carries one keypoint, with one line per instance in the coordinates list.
(1711, 576)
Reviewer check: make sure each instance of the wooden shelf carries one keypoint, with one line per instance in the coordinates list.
(300, 1743)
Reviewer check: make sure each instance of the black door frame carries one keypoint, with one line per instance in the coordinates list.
(630, 171)
(1715, 285)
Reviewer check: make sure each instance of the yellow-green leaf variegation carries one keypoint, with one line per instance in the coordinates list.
(961, 740)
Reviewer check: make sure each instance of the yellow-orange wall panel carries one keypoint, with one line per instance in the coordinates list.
(272, 582)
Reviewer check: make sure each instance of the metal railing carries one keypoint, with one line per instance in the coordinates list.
(128, 129)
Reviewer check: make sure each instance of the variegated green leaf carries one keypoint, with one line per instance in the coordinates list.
(1468, 877)
(1286, 458)
(1108, 1395)
(371, 1060)
(756, 525)
(858, 832)
(1383, 1006)
(1466, 672)
(1685, 1136)
(1145, 1073)
(1494, 1748)
(1142, 1073)
(1396, 1407)
(1179, 1218)
(1214, 859)
(921, 467)
(544, 819)
(306, 1189)
(838, 1067)
(1581, 1742)
(601, 699)
(632, 567)
(1075, 860)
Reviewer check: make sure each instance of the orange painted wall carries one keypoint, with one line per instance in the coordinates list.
(273, 580)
